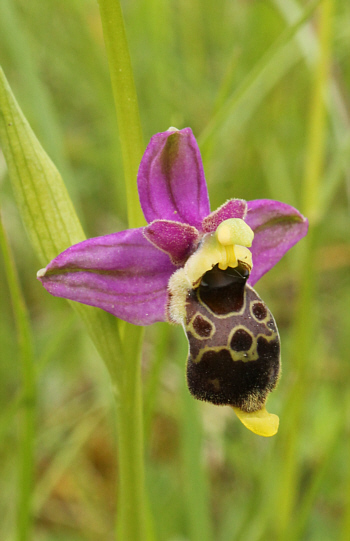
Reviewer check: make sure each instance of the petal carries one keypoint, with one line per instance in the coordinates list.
(171, 179)
(121, 273)
(277, 227)
(176, 239)
(235, 208)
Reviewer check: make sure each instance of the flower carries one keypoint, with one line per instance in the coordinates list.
(162, 272)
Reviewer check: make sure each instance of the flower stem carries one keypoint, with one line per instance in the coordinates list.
(125, 100)
(131, 513)
(26, 444)
(131, 521)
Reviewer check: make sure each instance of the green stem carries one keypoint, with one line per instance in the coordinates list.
(131, 522)
(131, 513)
(26, 445)
(125, 99)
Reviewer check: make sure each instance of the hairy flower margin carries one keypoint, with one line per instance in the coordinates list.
(128, 273)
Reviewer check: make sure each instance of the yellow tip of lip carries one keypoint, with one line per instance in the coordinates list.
(260, 422)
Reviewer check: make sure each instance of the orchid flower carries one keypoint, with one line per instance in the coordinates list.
(196, 268)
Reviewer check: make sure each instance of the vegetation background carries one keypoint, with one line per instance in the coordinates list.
(265, 87)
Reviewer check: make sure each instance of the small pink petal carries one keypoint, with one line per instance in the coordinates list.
(176, 239)
(234, 208)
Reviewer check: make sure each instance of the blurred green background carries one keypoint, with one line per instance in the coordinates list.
(239, 74)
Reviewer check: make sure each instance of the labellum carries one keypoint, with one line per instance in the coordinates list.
(234, 347)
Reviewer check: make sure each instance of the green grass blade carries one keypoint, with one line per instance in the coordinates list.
(26, 358)
(269, 69)
(47, 211)
(36, 98)
(41, 196)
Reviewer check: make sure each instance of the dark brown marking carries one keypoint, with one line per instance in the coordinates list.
(241, 340)
(259, 311)
(268, 350)
(202, 326)
(223, 291)
(243, 385)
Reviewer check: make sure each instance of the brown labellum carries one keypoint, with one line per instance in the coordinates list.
(234, 355)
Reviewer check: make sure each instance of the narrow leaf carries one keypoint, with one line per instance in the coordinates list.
(47, 210)
(41, 196)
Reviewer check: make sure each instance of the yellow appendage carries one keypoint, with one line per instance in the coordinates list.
(226, 247)
(260, 422)
(234, 231)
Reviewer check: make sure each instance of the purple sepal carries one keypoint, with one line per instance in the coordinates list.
(121, 273)
(176, 239)
(171, 180)
(234, 208)
(277, 227)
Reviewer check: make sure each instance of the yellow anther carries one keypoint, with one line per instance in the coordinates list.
(260, 422)
(234, 231)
